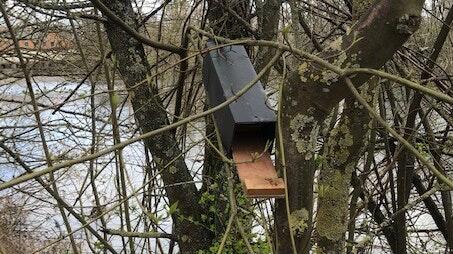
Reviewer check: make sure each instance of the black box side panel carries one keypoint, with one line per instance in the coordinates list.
(234, 71)
(223, 117)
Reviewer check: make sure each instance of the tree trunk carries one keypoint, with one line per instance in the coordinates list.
(343, 150)
(230, 18)
(310, 93)
(268, 30)
(224, 23)
(406, 161)
(149, 115)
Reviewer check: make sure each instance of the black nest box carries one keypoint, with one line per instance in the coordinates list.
(245, 125)
(226, 71)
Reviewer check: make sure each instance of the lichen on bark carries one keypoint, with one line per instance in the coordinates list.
(298, 220)
(341, 140)
(305, 131)
(333, 196)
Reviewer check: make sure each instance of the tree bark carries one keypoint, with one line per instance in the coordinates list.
(268, 30)
(406, 161)
(222, 17)
(230, 18)
(343, 151)
(310, 93)
(149, 114)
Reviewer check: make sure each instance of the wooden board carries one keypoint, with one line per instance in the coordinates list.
(255, 168)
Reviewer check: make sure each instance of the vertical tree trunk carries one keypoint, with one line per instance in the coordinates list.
(342, 152)
(406, 161)
(309, 95)
(149, 115)
(224, 23)
(268, 20)
(230, 18)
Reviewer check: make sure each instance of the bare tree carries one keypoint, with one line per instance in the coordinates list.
(121, 154)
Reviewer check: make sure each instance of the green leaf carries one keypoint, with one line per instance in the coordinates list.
(99, 245)
(116, 100)
(173, 208)
(153, 217)
(286, 29)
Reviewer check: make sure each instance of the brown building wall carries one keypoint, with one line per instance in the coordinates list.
(51, 41)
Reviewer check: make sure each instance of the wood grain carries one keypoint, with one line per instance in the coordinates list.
(255, 168)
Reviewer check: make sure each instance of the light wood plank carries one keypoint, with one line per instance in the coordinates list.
(255, 168)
